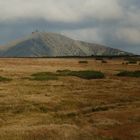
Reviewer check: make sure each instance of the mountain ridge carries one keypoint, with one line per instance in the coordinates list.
(40, 44)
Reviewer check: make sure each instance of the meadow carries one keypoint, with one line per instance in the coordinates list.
(69, 99)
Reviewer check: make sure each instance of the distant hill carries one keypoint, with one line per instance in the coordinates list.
(40, 44)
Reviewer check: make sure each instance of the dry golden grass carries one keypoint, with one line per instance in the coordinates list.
(69, 108)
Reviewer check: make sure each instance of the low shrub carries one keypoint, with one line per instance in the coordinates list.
(129, 74)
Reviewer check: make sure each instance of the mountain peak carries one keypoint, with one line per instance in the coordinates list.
(40, 44)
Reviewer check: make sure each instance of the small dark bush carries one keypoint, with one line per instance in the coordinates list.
(83, 62)
(129, 74)
(3, 79)
(82, 74)
(124, 63)
(104, 61)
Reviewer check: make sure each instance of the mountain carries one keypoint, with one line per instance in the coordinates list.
(40, 44)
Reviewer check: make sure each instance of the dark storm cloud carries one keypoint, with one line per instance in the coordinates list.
(112, 22)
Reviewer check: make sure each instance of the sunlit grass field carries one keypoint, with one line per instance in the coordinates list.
(69, 99)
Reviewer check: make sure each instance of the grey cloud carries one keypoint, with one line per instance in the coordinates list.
(62, 10)
(111, 22)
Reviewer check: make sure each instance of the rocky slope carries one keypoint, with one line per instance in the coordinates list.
(40, 44)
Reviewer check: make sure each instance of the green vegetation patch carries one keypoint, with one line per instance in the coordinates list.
(82, 74)
(129, 74)
(4, 79)
(132, 62)
(43, 76)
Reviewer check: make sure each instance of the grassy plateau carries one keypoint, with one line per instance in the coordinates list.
(62, 99)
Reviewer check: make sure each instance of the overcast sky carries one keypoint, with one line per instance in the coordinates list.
(115, 23)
